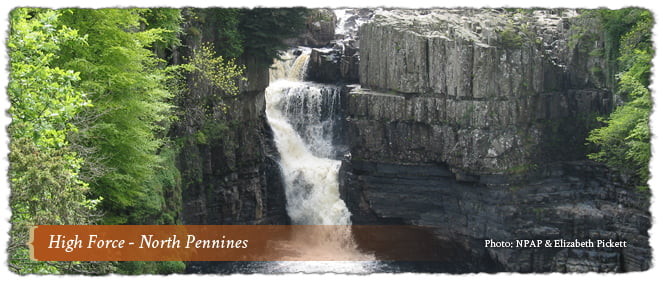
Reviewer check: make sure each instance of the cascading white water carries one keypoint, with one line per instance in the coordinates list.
(342, 16)
(301, 115)
(311, 109)
(291, 66)
(310, 175)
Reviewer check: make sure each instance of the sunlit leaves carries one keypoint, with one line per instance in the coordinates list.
(44, 172)
(44, 99)
(129, 87)
(624, 142)
(222, 73)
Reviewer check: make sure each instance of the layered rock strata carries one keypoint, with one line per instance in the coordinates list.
(473, 123)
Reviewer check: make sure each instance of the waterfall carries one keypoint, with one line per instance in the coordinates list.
(301, 115)
(312, 110)
(311, 179)
(342, 16)
(291, 66)
(303, 131)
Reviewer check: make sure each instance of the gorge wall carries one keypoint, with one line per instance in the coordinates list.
(473, 123)
(474, 90)
(469, 122)
(227, 159)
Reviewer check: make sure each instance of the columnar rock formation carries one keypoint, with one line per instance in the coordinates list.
(473, 122)
(474, 89)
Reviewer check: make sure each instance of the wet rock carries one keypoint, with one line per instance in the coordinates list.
(320, 28)
(583, 203)
(338, 61)
(324, 66)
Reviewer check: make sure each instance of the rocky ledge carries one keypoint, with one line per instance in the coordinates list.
(561, 201)
(473, 123)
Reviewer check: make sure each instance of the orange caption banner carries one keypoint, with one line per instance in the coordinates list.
(228, 243)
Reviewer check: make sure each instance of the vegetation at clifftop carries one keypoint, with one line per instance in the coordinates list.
(92, 100)
(624, 141)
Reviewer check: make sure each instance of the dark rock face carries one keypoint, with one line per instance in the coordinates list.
(350, 68)
(324, 66)
(227, 160)
(232, 178)
(339, 60)
(477, 136)
(568, 200)
(320, 27)
(333, 65)
(475, 125)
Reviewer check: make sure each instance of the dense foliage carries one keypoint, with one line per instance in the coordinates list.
(263, 30)
(624, 142)
(44, 170)
(126, 83)
(92, 99)
(257, 32)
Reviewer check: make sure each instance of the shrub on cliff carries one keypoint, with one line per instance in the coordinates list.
(624, 141)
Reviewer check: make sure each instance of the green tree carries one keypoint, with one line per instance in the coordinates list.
(225, 23)
(170, 21)
(206, 67)
(46, 191)
(624, 142)
(44, 99)
(120, 137)
(257, 32)
(44, 172)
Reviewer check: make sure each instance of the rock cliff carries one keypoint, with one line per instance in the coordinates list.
(469, 122)
(319, 30)
(227, 159)
(479, 90)
(473, 122)
(338, 60)
(564, 200)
